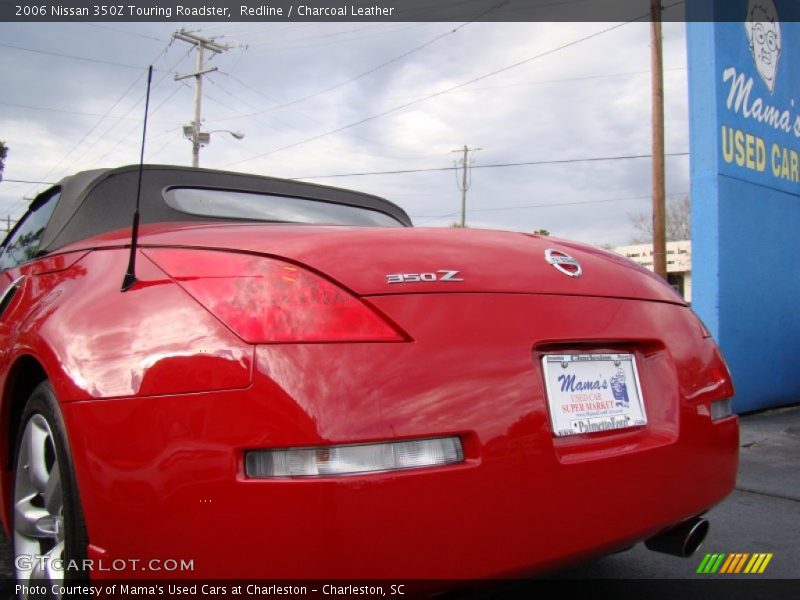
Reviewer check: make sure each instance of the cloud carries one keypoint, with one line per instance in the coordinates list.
(590, 99)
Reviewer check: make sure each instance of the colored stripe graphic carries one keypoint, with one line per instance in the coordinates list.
(702, 567)
(754, 564)
(759, 563)
(738, 562)
(717, 563)
(766, 562)
(732, 558)
(710, 563)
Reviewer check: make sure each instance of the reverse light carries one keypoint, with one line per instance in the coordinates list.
(721, 409)
(353, 459)
(265, 300)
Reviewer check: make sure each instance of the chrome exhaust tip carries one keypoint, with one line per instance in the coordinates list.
(683, 540)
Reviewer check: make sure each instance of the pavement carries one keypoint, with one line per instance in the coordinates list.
(761, 515)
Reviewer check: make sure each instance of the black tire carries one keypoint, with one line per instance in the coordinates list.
(42, 448)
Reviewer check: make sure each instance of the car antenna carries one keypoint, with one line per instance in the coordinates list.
(130, 275)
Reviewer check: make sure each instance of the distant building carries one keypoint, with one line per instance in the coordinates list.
(679, 263)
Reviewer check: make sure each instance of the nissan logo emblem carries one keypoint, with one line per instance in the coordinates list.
(563, 262)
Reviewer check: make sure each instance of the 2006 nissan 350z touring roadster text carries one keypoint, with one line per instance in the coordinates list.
(295, 373)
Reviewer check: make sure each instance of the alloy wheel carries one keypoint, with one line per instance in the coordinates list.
(38, 506)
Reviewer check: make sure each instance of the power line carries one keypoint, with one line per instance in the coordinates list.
(122, 140)
(305, 46)
(552, 204)
(216, 100)
(304, 115)
(259, 117)
(252, 89)
(119, 119)
(169, 142)
(100, 120)
(271, 45)
(136, 127)
(257, 91)
(5, 180)
(546, 205)
(95, 126)
(61, 110)
(72, 56)
(126, 32)
(364, 73)
(215, 25)
(439, 93)
(528, 83)
(493, 166)
(454, 168)
(249, 105)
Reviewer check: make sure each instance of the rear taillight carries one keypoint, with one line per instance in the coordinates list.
(353, 459)
(264, 300)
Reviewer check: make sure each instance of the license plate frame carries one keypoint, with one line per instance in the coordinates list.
(593, 392)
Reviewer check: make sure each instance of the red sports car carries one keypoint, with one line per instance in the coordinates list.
(296, 383)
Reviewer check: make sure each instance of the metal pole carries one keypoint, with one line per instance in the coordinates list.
(657, 79)
(201, 44)
(464, 189)
(198, 98)
(464, 186)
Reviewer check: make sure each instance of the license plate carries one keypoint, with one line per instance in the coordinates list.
(587, 393)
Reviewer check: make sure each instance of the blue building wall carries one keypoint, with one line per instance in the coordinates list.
(745, 186)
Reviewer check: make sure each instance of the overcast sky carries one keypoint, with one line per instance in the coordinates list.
(60, 114)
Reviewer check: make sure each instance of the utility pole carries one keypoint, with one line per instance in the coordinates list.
(465, 184)
(8, 224)
(657, 79)
(201, 44)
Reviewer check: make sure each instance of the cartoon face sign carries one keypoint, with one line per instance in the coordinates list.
(764, 35)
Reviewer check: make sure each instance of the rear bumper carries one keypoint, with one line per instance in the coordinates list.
(507, 509)
(162, 477)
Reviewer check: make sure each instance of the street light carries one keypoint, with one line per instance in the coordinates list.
(202, 138)
(236, 134)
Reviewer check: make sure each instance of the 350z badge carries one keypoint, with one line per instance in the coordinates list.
(440, 275)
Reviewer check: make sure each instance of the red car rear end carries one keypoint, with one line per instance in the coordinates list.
(361, 400)
(467, 364)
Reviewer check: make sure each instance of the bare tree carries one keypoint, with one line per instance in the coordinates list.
(679, 222)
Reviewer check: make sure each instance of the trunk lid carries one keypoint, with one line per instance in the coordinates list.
(419, 259)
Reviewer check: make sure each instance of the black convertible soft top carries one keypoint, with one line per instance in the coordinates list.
(94, 202)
